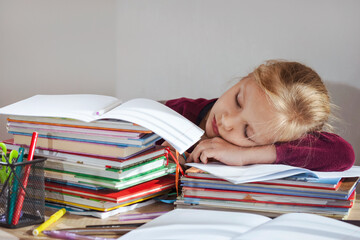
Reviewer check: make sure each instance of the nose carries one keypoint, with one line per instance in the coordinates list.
(228, 121)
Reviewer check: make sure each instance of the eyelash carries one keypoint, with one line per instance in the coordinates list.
(246, 125)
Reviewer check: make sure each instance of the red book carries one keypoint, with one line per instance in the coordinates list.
(141, 190)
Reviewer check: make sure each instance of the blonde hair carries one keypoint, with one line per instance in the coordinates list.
(298, 94)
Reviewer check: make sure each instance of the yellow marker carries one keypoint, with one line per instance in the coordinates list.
(53, 218)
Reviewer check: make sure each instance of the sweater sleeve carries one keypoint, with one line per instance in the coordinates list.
(317, 151)
(189, 108)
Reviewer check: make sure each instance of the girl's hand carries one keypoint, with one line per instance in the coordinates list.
(216, 149)
(181, 157)
(220, 150)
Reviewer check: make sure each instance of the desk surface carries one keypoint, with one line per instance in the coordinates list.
(74, 221)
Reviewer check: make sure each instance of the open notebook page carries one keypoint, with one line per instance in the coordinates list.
(170, 125)
(77, 106)
(263, 172)
(176, 129)
(197, 224)
(303, 226)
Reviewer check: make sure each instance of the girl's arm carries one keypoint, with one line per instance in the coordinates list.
(318, 152)
(230, 154)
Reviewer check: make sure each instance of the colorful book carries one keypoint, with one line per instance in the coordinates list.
(118, 163)
(344, 191)
(13, 126)
(118, 174)
(301, 180)
(89, 203)
(267, 209)
(254, 197)
(105, 124)
(98, 214)
(82, 137)
(95, 149)
(110, 183)
(106, 200)
(160, 184)
(264, 172)
(181, 133)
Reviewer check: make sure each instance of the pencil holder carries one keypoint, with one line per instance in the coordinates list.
(22, 194)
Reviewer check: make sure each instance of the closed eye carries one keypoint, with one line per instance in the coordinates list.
(246, 133)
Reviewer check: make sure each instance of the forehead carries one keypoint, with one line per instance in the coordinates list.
(259, 112)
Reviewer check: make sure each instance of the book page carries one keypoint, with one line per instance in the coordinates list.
(170, 125)
(302, 226)
(264, 172)
(197, 224)
(76, 106)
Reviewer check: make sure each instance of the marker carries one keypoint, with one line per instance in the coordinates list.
(21, 194)
(15, 185)
(53, 218)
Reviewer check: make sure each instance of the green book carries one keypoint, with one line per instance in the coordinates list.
(112, 173)
(108, 182)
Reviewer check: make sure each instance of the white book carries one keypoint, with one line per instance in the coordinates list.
(221, 225)
(170, 125)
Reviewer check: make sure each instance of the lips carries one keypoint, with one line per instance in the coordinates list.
(215, 127)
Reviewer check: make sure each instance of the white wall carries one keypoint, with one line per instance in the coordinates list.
(174, 44)
(164, 49)
(56, 47)
(195, 48)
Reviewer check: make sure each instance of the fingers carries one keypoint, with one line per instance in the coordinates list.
(204, 151)
(194, 170)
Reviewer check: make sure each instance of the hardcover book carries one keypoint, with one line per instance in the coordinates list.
(163, 183)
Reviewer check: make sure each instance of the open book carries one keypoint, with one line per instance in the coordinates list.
(264, 172)
(174, 128)
(208, 224)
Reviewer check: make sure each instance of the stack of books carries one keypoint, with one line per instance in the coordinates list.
(98, 168)
(97, 160)
(328, 196)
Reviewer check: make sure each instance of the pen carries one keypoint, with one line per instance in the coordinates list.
(73, 236)
(15, 185)
(108, 108)
(53, 218)
(140, 216)
(130, 225)
(24, 182)
(97, 231)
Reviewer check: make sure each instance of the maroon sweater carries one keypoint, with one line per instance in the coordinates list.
(318, 151)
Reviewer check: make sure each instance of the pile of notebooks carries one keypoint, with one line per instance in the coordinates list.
(96, 166)
(331, 197)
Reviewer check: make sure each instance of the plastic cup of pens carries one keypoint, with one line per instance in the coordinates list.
(22, 193)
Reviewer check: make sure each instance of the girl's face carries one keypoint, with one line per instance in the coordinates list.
(243, 116)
